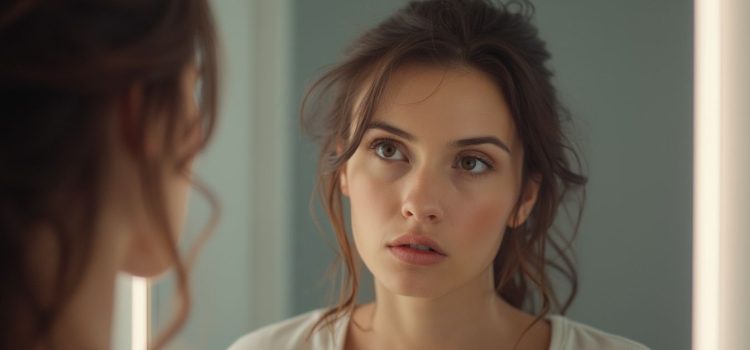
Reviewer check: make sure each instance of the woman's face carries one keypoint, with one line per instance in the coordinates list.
(433, 184)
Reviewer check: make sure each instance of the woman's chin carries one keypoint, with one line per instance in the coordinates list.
(415, 287)
(151, 266)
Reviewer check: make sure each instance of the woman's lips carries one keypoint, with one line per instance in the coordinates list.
(414, 256)
(417, 240)
(416, 249)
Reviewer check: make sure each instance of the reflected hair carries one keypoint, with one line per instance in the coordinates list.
(499, 40)
(64, 66)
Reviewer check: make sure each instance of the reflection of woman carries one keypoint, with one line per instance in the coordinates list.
(447, 137)
(99, 129)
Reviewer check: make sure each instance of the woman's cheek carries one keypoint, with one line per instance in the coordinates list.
(484, 223)
(364, 174)
(368, 187)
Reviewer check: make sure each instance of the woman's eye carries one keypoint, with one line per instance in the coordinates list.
(388, 150)
(473, 165)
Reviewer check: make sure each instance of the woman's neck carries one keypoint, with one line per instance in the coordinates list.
(85, 319)
(470, 317)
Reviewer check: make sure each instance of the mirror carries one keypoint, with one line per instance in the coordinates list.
(623, 69)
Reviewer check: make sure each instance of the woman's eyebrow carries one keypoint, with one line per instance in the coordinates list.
(482, 140)
(459, 143)
(391, 129)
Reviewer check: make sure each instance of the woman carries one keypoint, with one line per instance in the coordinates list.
(446, 135)
(101, 122)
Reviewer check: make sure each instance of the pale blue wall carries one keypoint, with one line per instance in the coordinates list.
(625, 69)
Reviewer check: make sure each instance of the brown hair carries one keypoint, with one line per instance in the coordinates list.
(63, 67)
(500, 41)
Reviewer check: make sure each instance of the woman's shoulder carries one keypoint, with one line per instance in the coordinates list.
(294, 333)
(568, 334)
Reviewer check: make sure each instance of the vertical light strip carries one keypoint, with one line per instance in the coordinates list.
(139, 325)
(707, 175)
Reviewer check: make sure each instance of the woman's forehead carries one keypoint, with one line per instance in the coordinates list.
(456, 100)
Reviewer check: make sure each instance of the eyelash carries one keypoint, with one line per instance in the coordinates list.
(379, 141)
(456, 164)
(488, 163)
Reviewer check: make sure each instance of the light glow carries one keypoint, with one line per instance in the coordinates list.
(707, 172)
(139, 325)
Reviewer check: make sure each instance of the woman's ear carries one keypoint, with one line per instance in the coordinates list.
(343, 184)
(343, 181)
(528, 200)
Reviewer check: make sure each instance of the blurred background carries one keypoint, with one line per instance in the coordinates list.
(624, 69)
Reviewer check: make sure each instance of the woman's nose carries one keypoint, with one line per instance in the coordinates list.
(422, 199)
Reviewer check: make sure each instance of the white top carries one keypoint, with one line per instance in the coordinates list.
(292, 333)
